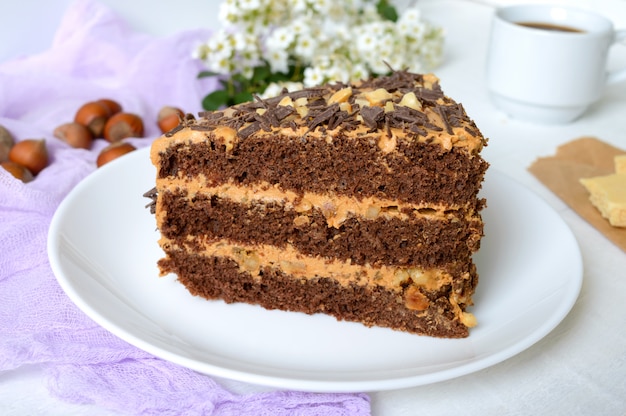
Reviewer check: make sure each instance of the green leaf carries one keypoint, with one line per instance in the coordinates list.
(238, 78)
(386, 10)
(260, 74)
(278, 77)
(204, 74)
(242, 97)
(215, 100)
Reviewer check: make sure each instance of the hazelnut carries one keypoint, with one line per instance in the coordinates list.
(123, 125)
(31, 153)
(286, 101)
(94, 116)
(113, 151)
(468, 319)
(400, 276)
(18, 171)
(6, 143)
(113, 106)
(416, 300)
(74, 134)
(301, 221)
(410, 100)
(340, 96)
(377, 97)
(169, 117)
(372, 212)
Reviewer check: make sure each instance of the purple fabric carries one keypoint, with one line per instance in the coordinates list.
(96, 55)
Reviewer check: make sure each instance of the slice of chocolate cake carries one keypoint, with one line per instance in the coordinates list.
(358, 201)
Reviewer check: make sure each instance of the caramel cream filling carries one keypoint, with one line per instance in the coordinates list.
(253, 258)
(336, 209)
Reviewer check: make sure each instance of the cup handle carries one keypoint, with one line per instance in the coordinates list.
(620, 74)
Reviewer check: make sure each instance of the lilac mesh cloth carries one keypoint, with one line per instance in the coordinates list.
(96, 55)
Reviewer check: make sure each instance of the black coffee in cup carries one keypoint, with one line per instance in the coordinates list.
(550, 27)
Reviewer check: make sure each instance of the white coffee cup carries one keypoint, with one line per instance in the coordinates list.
(549, 76)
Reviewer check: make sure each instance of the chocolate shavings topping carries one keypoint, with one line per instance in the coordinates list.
(372, 115)
(249, 130)
(444, 117)
(323, 116)
(175, 130)
(247, 118)
(152, 194)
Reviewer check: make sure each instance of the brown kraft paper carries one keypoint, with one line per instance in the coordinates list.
(581, 158)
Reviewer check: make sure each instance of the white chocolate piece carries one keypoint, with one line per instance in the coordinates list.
(620, 164)
(608, 195)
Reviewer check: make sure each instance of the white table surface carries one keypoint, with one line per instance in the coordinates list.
(578, 369)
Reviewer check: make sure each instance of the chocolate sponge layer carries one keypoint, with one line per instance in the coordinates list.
(221, 278)
(416, 172)
(391, 241)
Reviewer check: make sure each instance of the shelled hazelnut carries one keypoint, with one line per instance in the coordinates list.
(74, 134)
(169, 117)
(123, 125)
(30, 153)
(113, 151)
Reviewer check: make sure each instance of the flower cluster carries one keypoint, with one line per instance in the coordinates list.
(267, 45)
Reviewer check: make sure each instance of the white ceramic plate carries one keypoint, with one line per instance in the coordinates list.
(103, 249)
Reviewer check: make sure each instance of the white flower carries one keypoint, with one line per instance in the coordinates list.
(369, 13)
(305, 47)
(359, 72)
(220, 45)
(377, 28)
(249, 4)
(243, 42)
(386, 42)
(228, 12)
(272, 90)
(411, 15)
(378, 65)
(365, 41)
(276, 88)
(329, 40)
(278, 60)
(281, 38)
(313, 76)
(220, 66)
(298, 6)
(300, 26)
(338, 73)
(323, 7)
